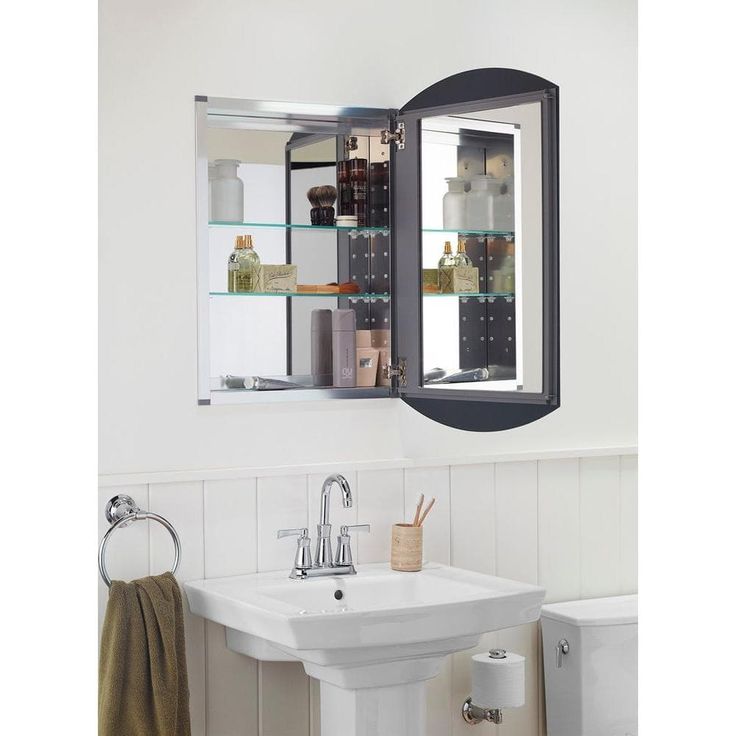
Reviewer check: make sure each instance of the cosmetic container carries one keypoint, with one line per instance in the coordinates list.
(227, 192)
(343, 348)
(322, 347)
(366, 358)
(453, 204)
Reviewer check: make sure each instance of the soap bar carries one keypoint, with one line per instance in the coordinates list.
(277, 278)
(458, 279)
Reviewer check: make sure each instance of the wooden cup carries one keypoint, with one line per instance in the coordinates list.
(406, 547)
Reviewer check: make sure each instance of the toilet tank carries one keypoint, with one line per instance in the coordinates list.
(592, 689)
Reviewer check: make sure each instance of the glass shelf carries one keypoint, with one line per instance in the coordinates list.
(352, 231)
(332, 294)
(476, 233)
(471, 295)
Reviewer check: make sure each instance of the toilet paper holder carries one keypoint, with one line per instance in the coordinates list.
(475, 714)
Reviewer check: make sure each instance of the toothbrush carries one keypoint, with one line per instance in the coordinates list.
(426, 511)
(420, 501)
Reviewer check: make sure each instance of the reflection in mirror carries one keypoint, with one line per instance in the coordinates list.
(482, 250)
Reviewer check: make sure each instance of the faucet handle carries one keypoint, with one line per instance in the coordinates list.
(303, 558)
(345, 528)
(344, 556)
(302, 532)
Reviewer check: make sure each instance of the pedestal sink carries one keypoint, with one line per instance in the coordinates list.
(372, 640)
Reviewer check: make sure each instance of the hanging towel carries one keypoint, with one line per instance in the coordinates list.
(143, 688)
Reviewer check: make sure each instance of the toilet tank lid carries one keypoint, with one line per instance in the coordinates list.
(621, 609)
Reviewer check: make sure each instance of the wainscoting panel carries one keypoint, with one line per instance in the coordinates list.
(567, 524)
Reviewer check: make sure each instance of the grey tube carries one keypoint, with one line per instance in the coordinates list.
(259, 383)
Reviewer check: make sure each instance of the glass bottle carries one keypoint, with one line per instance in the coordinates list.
(233, 264)
(453, 204)
(503, 206)
(227, 192)
(480, 203)
(249, 266)
(448, 259)
(461, 257)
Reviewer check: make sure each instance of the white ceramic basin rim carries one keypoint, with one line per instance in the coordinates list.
(376, 608)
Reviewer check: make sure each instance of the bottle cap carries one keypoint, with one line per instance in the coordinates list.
(322, 320)
(247, 241)
(461, 246)
(239, 241)
(343, 320)
(448, 246)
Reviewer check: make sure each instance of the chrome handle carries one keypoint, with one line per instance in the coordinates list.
(303, 557)
(302, 532)
(344, 557)
(562, 648)
(345, 528)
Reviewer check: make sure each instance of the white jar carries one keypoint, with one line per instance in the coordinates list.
(503, 206)
(480, 210)
(453, 204)
(227, 192)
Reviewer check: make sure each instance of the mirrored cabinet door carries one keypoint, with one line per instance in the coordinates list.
(477, 298)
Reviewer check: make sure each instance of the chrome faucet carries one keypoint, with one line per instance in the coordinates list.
(324, 528)
(324, 563)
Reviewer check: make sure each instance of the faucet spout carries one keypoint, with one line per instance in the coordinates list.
(347, 496)
(324, 528)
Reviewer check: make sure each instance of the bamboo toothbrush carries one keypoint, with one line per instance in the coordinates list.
(426, 511)
(420, 501)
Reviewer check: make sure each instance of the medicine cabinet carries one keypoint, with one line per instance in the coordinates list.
(435, 224)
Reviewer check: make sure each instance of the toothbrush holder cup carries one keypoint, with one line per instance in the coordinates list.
(406, 547)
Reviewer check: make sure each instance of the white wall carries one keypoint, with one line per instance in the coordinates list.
(156, 56)
(568, 524)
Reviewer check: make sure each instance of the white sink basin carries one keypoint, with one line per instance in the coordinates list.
(377, 632)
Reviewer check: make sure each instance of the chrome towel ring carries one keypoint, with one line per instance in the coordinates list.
(122, 510)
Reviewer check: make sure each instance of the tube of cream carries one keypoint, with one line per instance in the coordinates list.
(258, 383)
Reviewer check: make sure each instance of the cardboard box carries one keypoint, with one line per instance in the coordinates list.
(458, 279)
(430, 277)
(276, 278)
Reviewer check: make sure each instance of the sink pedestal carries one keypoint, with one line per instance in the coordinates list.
(375, 699)
(372, 640)
(396, 710)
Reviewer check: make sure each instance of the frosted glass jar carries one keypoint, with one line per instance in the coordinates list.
(480, 212)
(227, 192)
(453, 204)
(504, 206)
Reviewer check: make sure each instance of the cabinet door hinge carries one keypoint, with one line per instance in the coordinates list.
(397, 372)
(398, 136)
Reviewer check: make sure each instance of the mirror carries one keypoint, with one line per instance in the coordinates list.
(482, 250)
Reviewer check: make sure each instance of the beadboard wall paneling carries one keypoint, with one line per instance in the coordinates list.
(568, 524)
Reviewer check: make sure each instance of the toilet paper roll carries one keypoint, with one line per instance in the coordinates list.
(498, 683)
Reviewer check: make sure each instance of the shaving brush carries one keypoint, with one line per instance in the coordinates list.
(314, 201)
(326, 196)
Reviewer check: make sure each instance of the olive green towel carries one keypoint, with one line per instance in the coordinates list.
(143, 669)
